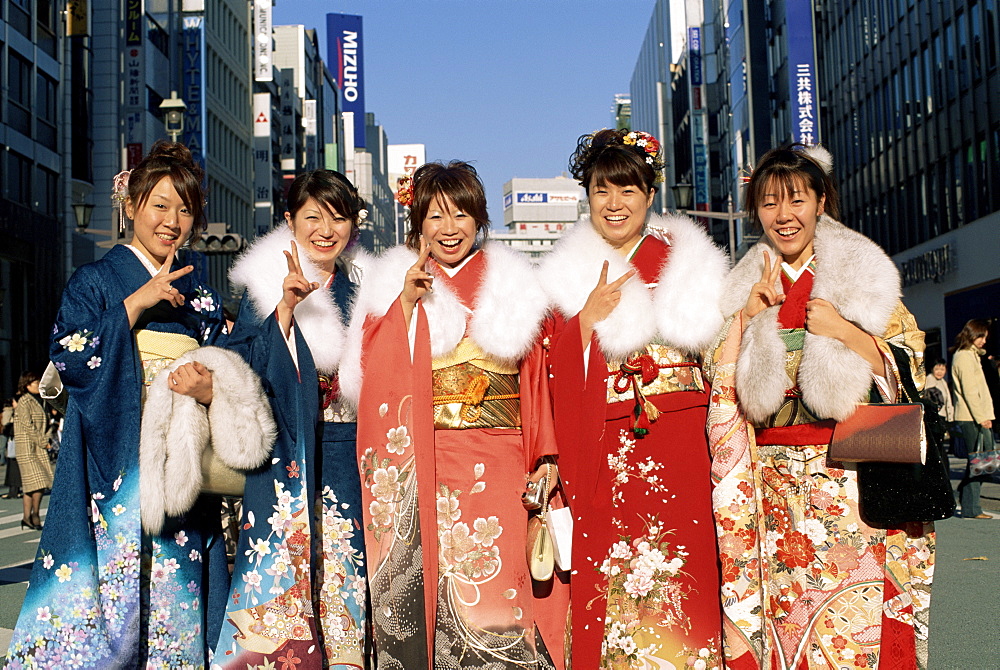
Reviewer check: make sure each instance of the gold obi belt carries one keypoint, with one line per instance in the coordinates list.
(657, 370)
(472, 390)
(158, 350)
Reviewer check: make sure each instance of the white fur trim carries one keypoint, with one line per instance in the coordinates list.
(761, 379)
(262, 269)
(861, 281)
(682, 310)
(175, 430)
(509, 308)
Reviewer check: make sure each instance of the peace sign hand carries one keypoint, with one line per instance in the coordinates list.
(418, 282)
(601, 301)
(156, 289)
(294, 289)
(762, 294)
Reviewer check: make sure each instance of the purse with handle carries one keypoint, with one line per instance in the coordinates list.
(540, 550)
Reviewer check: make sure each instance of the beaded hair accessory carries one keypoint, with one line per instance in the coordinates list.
(404, 194)
(650, 146)
(119, 194)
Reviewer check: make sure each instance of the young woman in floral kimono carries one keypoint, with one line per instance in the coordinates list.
(630, 404)
(813, 310)
(299, 581)
(453, 413)
(120, 581)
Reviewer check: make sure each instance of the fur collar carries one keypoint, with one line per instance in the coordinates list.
(261, 270)
(505, 321)
(860, 280)
(682, 310)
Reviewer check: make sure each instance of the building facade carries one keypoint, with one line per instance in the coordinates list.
(536, 212)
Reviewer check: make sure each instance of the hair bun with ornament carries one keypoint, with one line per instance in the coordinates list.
(603, 146)
(404, 191)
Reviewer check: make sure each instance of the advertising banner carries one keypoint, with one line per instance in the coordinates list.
(193, 79)
(262, 43)
(802, 72)
(346, 60)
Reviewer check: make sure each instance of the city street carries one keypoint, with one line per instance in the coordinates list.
(965, 598)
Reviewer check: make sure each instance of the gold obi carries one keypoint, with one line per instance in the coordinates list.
(158, 350)
(658, 369)
(472, 390)
(793, 411)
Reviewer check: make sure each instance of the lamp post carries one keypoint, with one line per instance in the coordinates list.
(173, 115)
(82, 211)
(682, 197)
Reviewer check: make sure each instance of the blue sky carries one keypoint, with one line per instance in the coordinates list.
(506, 84)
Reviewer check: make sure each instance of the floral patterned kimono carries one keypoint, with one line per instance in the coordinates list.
(630, 417)
(299, 594)
(806, 582)
(104, 594)
(447, 432)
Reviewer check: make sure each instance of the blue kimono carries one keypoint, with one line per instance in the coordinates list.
(103, 594)
(299, 591)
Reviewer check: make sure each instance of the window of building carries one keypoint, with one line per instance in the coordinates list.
(19, 93)
(990, 9)
(157, 36)
(927, 66)
(975, 17)
(19, 16)
(46, 35)
(962, 33)
(46, 192)
(45, 111)
(951, 71)
(957, 174)
(17, 183)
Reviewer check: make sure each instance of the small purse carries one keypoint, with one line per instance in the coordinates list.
(217, 478)
(539, 548)
(881, 433)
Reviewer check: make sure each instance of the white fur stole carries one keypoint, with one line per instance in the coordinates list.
(262, 269)
(176, 429)
(857, 277)
(508, 312)
(682, 310)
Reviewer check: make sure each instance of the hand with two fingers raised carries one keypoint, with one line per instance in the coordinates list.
(194, 380)
(417, 282)
(601, 302)
(763, 293)
(158, 288)
(294, 289)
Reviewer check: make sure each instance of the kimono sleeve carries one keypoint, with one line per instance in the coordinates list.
(903, 334)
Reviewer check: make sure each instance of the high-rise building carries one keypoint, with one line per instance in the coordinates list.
(621, 111)
(911, 97)
(404, 159)
(36, 170)
(536, 212)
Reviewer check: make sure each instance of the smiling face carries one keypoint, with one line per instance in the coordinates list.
(939, 371)
(450, 232)
(162, 222)
(320, 232)
(789, 218)
(619, 213)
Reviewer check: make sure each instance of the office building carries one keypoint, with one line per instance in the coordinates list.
(536, 212)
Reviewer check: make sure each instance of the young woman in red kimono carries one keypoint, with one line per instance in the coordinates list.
(630, 404)
(452, 414)
(813, 310)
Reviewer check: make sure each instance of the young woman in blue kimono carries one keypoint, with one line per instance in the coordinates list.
(104, 593)
(299, 590)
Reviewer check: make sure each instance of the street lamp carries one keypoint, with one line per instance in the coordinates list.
(82, 211)
(173, 115)
(682, 196)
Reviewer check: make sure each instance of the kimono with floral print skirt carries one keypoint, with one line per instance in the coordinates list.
(103, 594)
(806, 582)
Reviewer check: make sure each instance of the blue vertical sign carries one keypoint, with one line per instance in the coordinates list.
(193, 81)
(699, 120)
(803, 102)
(346, 57)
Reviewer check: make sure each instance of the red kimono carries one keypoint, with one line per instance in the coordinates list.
(446, 436)
(645, 585)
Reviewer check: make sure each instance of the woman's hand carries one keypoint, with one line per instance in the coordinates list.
(822, 318)
(156, 289)
(762, 294)
(294, 290)
(417, 283)
(987, 424)
(601, 302)
(194, 380)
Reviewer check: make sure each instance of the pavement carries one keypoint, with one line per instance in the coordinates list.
(965, 598)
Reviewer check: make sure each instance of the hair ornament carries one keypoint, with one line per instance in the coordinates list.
(648, 145)
(746, 174)
(362, 215)
(404, 194)
(819, 155)
(119, 194)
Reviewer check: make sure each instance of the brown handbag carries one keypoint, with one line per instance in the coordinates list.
(881, 433)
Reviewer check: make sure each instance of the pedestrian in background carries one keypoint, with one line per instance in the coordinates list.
(12, 476)
(937, 390)
(973, 409)
(32, 446)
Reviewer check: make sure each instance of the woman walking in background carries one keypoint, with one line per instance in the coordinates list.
(973, 409)
(815, 323)
(12, 475)
(31, 445)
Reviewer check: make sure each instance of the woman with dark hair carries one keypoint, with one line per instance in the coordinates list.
(299, 579)
(815, 326)
(630, 403)
(12, 474)
(973, 409)
(452, 416)
(31, 448)
(131, 569)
